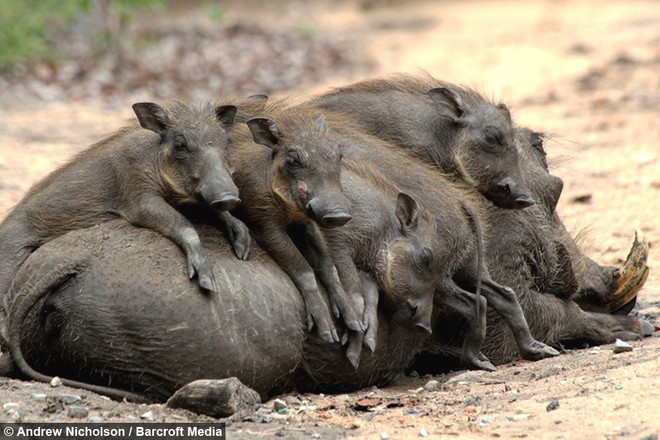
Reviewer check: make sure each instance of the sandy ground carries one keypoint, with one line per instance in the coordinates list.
(588, 74)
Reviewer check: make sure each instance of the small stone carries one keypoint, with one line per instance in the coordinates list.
(618, 387)
(316, 435)
(423, 433)
(507, 387)
(292, 401)
(468, 377)
(432, 385)
(39, 396)
(553, 405)
(95, 419)
(77, 412)
(473, 400)
(280, 405)
(471, 409)
(384, 436)
(147, 416)
(414, 373)
(55, 382)
(621, 347)
(368, 417)
(519, 417)
(9, 406)
(68, 398)
(215, 397)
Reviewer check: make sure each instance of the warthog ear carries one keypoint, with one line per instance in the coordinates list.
(152, 116)
(265, 132)
(505, 110)
(406, 212)
(226, 114)
(321, 125)
(448, 102)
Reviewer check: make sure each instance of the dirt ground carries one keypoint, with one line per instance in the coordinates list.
(587, 73)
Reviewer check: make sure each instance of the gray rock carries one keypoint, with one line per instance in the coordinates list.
(280, 405)
(621, 347)
(68, 398)
(147, 416)
(55, 382)
(215, 398)
(553, 405)
(432, 385)
(77, 411)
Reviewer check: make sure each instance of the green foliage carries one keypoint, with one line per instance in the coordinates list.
(215, 13)
(30, 29)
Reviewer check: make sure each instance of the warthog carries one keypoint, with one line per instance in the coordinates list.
(458, 213)
(452, 127)
(138, 174)
(395, 241)
(287, 168)
(540, 268)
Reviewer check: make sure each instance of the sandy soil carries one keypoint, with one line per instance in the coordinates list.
(587, 73)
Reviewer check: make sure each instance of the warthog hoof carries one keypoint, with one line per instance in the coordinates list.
(537, 351)
(477, 361)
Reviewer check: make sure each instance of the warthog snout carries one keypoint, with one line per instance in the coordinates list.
(220, 198)
(421, 315)
(327, 217)
(226, 202)
(511, 194)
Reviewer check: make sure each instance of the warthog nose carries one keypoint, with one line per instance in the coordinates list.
(327, 218)
(523, 201)
(512, 195)
(225, 202)
(335, 219)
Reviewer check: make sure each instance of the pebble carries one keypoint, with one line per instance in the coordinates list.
(10, 406)
(68, 398)
(469, 377)
(423, 433)
(414, 373)
(432, 385)
(621, 347)
(77, 412)
(483, 420)
(279, 405)
(316, 435)
(384, 436)
(95, 419)
(39, 396)
(147, 416)
(553, 405)
(55, 382)
(368, 417)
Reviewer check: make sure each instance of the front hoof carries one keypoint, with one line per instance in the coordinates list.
(478, 361)
(242, 243)
(537, 351)
(207, 283)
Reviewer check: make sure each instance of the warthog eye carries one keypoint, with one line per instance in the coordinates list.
(293, 163)
(424, 259)
(180, 148)
(494, 138)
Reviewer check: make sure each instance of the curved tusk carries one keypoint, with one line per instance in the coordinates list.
(634, 273)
